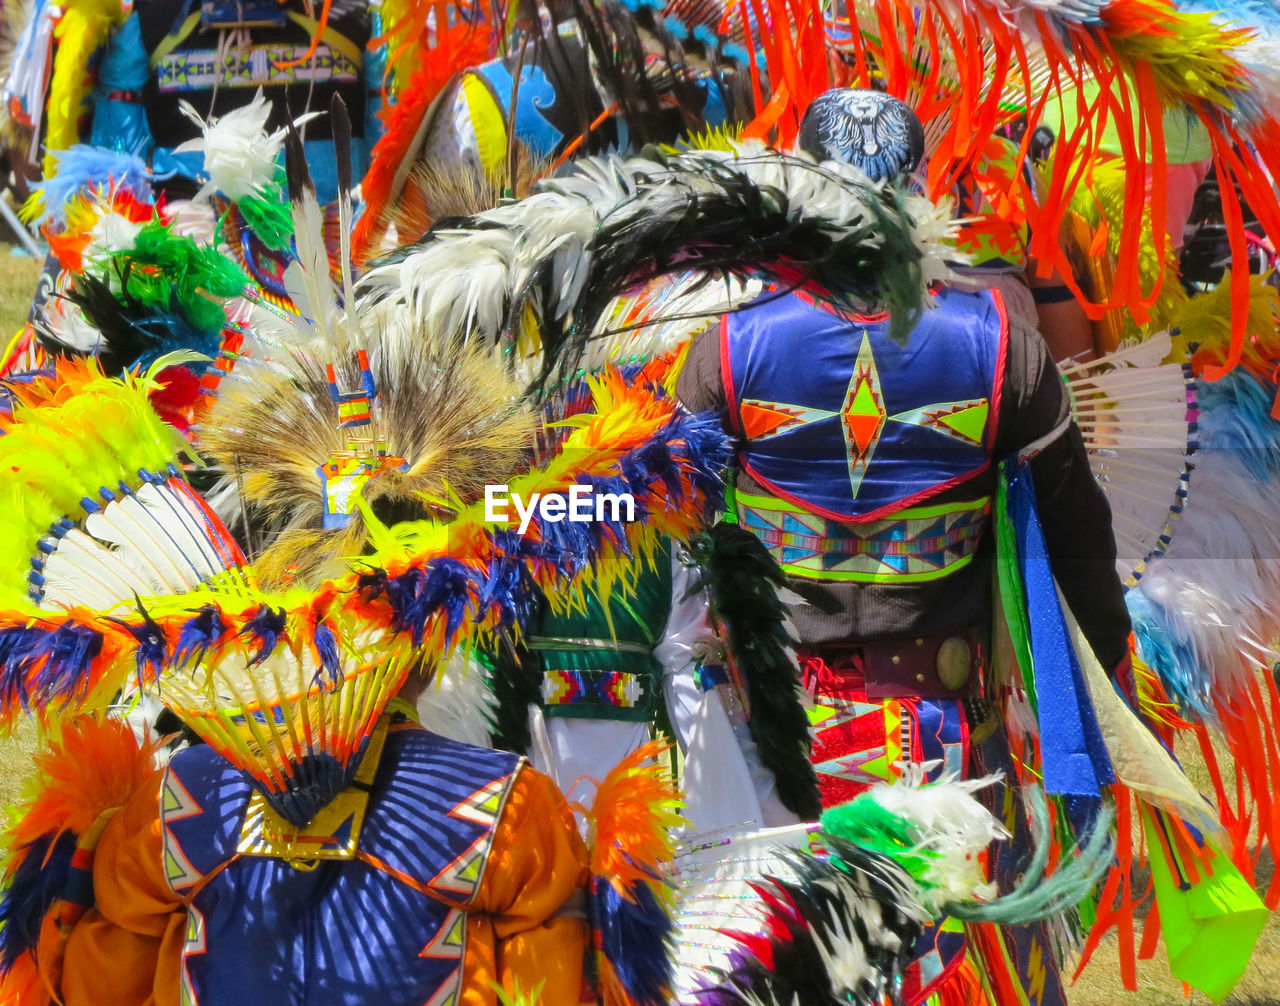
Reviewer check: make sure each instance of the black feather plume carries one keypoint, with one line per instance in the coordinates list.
(296, 173)
(743, 581)
(513, 676)
(561, 256)
(340, 122)
(132, 334)
(840, 931)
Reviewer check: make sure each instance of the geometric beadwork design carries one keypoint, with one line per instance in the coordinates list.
(964, 421)
(915, 544)
(863, 416)
(463, 877)
(193, 945)
(611, 689)
(252, 66)
(448, 993)
(448, 944)
(857, 742)
(761, 419)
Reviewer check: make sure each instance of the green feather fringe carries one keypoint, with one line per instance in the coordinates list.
(514, 682)
(164, 271)
(863, 822)
(269, 219)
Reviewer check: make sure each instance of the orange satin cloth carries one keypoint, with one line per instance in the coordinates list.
(129, 946)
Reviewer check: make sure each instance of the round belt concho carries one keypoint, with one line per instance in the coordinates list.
(955, 662)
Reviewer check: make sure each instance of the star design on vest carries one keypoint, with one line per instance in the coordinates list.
(864, 418)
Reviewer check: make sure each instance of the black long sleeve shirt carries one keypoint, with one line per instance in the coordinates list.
(1074, 513)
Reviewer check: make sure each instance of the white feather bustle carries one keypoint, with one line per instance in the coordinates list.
(459, 704)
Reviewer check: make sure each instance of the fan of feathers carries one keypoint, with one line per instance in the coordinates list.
(451, 413)
(441, 188)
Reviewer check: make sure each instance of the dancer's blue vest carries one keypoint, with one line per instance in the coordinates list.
(381, 927)
(842, 421)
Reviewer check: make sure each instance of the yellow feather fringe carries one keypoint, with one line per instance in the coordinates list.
(83, 28)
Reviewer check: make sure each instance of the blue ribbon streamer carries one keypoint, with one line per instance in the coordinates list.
(1075, 757)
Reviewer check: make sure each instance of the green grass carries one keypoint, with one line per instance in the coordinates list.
(1098, 986)
(18, 275)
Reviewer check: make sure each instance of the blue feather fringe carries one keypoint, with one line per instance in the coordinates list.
(197, 635)
(1173, 660)
(81, 168)
(267, 627)
(152, 652)
(327, 649)
(633, 937)
(1235, 415)
(30, 892)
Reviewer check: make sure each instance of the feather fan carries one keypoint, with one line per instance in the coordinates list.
(662, 315)
(452, 415)
(839, 930)
(1204, 613)
(448, 191)
(1140, 423)
(95, 510)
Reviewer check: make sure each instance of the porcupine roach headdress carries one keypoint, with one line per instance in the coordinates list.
(335, 406)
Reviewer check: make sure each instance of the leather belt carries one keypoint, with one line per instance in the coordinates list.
(945, 665)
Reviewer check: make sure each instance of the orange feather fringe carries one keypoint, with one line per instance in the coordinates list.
(970, 68)
(22, 985)
(636, 807)
(95, 764)
(460, 46)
